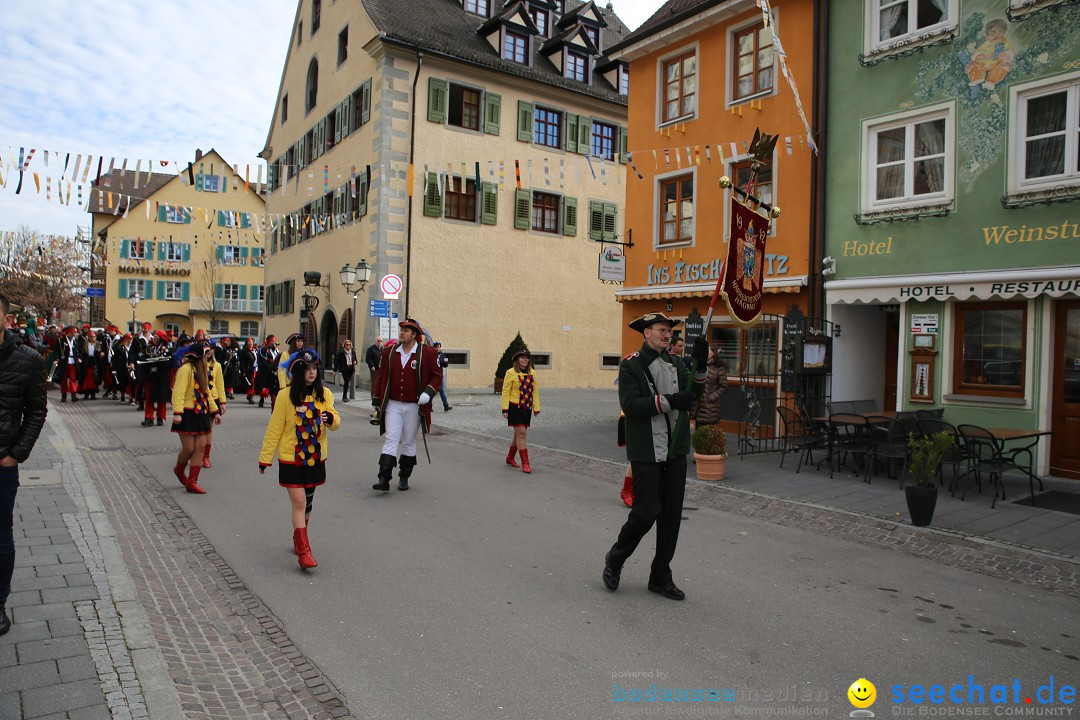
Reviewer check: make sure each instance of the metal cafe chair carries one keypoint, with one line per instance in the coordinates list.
(798, 435)
(888, 442)
(848, 435)
(955, 456)
(988, 454)
(864, 406)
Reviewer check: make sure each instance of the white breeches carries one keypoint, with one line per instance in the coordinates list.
(402, 424)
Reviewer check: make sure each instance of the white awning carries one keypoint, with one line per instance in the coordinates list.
(782, 284)
(981, 285)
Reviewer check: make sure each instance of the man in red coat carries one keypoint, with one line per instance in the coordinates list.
(409, 377)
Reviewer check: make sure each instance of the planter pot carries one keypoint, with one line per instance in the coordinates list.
(498, 385)
(710, 467)
(921, 502)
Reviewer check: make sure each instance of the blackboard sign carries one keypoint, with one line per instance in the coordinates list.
(693, 327)
(791, 348)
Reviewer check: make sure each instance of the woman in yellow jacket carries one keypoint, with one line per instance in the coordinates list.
(520, 401)
(297, 436)
(194, 408)
(215, 375)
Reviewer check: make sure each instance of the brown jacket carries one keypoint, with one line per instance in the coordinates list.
(708, 405)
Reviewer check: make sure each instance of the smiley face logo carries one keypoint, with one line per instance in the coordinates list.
(862, 693)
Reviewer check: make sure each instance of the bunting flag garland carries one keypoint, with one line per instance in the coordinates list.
(630, 160)
(770, 23)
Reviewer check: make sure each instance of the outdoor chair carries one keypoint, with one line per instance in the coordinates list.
(889, 442)
(988, 455)
(797, 434)
(849, 434)
(865, 406)
(955, 456)
(933, 414)
(910, 422)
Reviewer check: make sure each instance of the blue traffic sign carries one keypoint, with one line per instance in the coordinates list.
(95, 292)
(379, 308)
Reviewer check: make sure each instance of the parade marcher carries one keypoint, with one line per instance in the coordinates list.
(23, 407)
(627, 492)
(651, 396)
(345, 364)
(227, 357)
(520, 401)
(266, 367)
(372, 356)
(140, 350)
(119, 367)
(157, 367)
(88, 348)
(409, 376)
(194, 411)
(70, 362)
(214, 376)
(444, 362)
(247, 362)
(296, 435)
(294, 343)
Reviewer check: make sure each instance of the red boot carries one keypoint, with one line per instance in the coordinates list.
(206, 456)
(178, 471)
(303, 549)
(525, 468)
(510, 456)
(627, 493)
(193, 480)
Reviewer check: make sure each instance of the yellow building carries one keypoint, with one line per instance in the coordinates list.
(188, 245)
(474, 149)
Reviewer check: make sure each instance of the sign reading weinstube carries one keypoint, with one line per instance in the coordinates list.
(924, 324)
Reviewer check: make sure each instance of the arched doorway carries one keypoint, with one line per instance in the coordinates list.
(328, 341)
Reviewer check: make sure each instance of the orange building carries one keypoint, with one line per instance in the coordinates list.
(703, 76)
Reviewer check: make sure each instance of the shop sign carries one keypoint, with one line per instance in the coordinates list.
(682, 272)
(612, 265)
(921, 324)
(159, 270)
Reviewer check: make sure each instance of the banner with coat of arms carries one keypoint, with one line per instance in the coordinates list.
(744, 271)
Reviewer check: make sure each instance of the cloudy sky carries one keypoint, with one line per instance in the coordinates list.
(118, 79)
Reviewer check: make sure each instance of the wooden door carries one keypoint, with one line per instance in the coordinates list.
(1065, 418)
(892, 347)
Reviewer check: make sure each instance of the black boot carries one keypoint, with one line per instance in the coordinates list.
(386, 472)
(405, 468)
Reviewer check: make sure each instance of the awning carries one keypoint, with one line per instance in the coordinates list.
(773, 286)
(981, 285)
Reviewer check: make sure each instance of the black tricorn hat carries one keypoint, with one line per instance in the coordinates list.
(294, 336)
(650, 319)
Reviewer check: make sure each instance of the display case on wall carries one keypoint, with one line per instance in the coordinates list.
(922, 375)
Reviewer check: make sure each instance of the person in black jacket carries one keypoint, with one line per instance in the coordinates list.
(23, 407)
(345, 364)
(372, 356)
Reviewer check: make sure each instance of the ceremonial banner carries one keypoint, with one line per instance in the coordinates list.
(744, 270)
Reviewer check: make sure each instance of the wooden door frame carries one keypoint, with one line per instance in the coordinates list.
(1056, 404)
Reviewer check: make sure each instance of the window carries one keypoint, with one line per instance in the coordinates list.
(460, 199)
(624, 81)
(593, 34)
(140, 250)
(680, 87)
(173, 291)
(610, 361)
(175, 214)
(989, 339)
(207, 183)
(1048, 124)
(228, 299)
(299, 32)
(174, 252)
(284, 108)
(540, 19)
(603, 140)
(359, 112)
(316, 15)
(541, 360)
(908, 160)
(230, 254)
(545, 212)
(896, 18)
(140, 288)
(343, 45)
(515, 47)
(753, 62)
(763, 189)
(249, 329)
(172, 327)
(477, 7)
(547, 127)
(676, 210)
(458, 358)
(464, 107)
(312, 94)
(219, 327)
(577, 66)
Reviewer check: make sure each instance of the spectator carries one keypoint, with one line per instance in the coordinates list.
(443, 362)
(372, 357)
(345, 364)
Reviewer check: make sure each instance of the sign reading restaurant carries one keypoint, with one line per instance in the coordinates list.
(983, 285)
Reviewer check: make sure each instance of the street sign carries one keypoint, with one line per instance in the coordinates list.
(387, 327)
(390, 286)
(95, 292)
(379, 308)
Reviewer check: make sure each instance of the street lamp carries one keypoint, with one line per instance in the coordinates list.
(134, 299)
(350, 276)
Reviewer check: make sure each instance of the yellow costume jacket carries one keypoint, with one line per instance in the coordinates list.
(183, 392)
(217, 381)
(511, 390)
(281, 433)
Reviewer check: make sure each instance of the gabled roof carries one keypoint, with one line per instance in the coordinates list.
(564, 38)
(443, 27)
(514, 11)
(670, 13)
(578, 13)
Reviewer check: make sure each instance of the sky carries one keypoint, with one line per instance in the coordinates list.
(117, 79)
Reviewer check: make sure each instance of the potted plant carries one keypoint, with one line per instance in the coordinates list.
(507, 360)
(710, 451)
(921, 493)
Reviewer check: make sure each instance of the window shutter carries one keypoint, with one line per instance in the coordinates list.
(432, 197)
(609, 221)
(571, 133)
(219, 291)
(436, 100)
(362, 191)
(222, 218)
(186, 213)
(185, 291)
(584, 141)
(522, 209)
(150, 249)
(622, 145)
(489, 203)
(198, 182)
(596, 220)
(365, 108)
(569, 216)
(163, 213)
(245, 220)
(161, 250)
(123, 286)
(186, 252)
(301, 154)
(244, 253)
(125, 251)
(161, 289)
(243, 292)
(219, 253)
(525, 121)
(343, 117)
(337, 112)
(148, 290)
(492, 113)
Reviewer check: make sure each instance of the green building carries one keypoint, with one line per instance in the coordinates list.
(952, 223)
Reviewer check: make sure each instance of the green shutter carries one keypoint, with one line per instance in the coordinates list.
(186, 212)
(610, 221)
(432, 197)
(525, 121)
(522, 209)
(148, 289)
(219, 291)
(245, 220)
(123, 285)
(187, 252)
(125, 251)
(244, 253)
(150, 249)
(492, 113)
(161, 289)
(185, 291)
(584, 140)
(161, 250)
(436, 100)
(219, 253)
(336, 112)
(569, 217)
(222, 218)
(362, 192)
(489, 203)
(163, 213)
(365, 108)
(622, 144)
(596, 220)
(570, 133)
(243, 292)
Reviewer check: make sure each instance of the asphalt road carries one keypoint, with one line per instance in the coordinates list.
(477, 593)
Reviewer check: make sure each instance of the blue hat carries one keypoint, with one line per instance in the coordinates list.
(307, 356)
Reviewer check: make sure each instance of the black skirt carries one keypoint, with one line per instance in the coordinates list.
(304, 476)
(518, 416)
(193, 424)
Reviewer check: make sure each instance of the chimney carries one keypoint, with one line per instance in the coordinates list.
(198, 154)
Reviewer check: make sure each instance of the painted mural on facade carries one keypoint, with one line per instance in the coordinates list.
(988, 55)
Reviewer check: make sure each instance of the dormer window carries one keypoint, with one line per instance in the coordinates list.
(540, 19)
(515, 47)
(594, 35)
(577, 66)
(478, 7)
